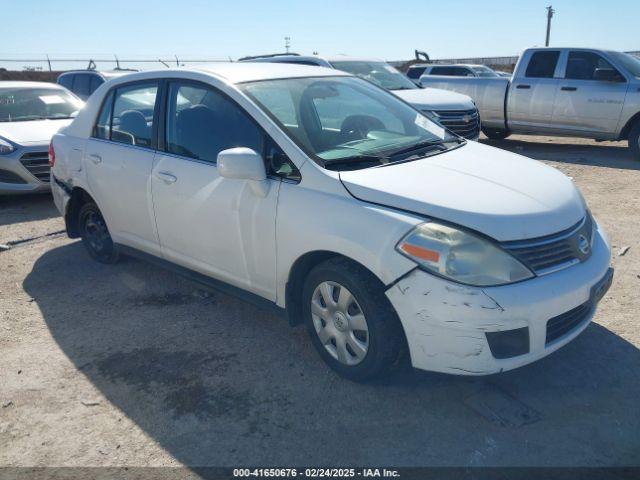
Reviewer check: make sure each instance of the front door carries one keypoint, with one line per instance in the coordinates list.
(584, 104)
(216, 226)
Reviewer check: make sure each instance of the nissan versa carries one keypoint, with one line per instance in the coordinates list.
(332, 200)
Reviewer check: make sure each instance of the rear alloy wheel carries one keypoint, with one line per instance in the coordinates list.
(634, 141)
(95, 235)
(350, 321)
(496, 133)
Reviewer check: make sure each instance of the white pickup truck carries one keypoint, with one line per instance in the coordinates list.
(574, 92)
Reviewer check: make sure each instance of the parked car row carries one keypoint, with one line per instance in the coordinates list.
(327, 199)
(573, 92)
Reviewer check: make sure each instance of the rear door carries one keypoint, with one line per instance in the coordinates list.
(532, 95)
(584, 104)
(119, 159)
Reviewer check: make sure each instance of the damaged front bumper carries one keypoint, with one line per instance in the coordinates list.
(464, 330)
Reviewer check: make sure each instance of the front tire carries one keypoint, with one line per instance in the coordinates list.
(350, 321)
(496, 133)
(95, 234)
(634, 141)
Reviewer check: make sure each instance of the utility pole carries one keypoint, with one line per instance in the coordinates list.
(287, 43)
(550, 12)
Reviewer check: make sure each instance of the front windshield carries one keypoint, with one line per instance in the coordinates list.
(482, 71)
(380, 73)
(348, 123)
(22, 104)
(629, 62)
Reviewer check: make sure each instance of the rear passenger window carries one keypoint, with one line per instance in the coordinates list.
(542, 64)
(202, 122)
(133, 108)
(103, 125)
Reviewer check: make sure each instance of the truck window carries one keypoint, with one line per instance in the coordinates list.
(96, 81)
(583, 65)
(542, 64)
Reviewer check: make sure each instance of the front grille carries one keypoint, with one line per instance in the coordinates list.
(567, 322)
(38, 164)
(465, 123)
(9, 177)
(553, 252)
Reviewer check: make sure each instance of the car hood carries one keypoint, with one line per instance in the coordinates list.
(33, 131)
(498, 193)
(435, 99)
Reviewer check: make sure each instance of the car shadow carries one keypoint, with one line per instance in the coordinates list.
(216, 381)
(605, 154)
(26, 208)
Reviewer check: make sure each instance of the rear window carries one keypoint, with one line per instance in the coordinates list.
(542, 64)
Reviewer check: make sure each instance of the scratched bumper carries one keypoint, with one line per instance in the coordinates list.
(445, 323)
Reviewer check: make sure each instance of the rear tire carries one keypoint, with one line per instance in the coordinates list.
(95, 234)
(353, 326)
(634, 141)
(496, 133)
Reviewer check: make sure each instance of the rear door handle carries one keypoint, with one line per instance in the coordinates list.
(166, 177)
(522, 86)
(569, 89)
(95, 158)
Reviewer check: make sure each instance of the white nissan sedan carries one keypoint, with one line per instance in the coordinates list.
(330, 200)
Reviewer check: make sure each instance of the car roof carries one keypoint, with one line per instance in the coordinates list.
(103, 73)
(238, 72)
(27, 84)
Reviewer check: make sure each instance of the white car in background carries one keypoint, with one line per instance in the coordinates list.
(30, 113)
(325, 198)
(456, 112)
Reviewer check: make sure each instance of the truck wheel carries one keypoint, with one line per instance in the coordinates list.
(634, 141)
(350, 321)
(496, 133)
(95, 234)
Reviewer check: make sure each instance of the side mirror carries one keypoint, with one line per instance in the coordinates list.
(243, 163)
(606, 75)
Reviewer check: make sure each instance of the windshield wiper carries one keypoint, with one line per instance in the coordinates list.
(357, 159)
(424, 144)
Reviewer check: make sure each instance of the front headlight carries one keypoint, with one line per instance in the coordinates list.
(461, 256)
(5, 147)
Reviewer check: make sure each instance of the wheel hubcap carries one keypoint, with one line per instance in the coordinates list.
(340, 323)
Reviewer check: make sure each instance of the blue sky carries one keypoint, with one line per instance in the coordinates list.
(233, 28)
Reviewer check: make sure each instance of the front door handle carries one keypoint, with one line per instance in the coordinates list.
(522, 86)
(569, 89)
(166, 177)
(95, 158)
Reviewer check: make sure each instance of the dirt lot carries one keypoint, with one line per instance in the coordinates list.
(133, 365)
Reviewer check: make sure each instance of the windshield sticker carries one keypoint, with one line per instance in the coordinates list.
(424, 123)
(51, 99)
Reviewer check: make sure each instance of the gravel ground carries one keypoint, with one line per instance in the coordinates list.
(130, 365)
